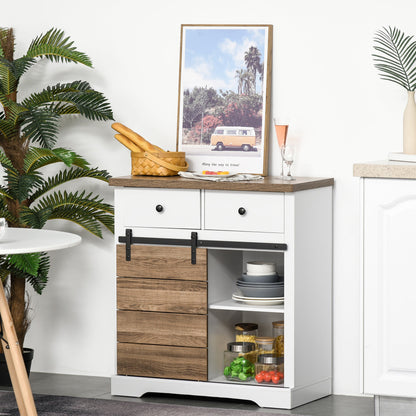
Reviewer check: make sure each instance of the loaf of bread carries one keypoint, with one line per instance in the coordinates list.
(128, 143)
(135, 138)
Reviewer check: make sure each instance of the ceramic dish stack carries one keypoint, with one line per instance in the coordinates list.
(260, 284)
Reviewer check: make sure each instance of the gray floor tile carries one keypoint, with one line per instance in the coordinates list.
(99, 387)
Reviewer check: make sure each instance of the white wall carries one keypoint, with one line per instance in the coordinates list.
(323, 78)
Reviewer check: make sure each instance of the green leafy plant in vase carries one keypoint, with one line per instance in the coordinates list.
(395, 58)
(29, 129)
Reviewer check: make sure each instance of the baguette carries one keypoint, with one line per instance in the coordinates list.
(134, 137)
(128, 143)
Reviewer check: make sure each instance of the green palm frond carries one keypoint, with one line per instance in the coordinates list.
(6, 162)
(65, 176)
(41, 126)
(21, 186)
(14, 110)
(8, 81)
(5, 212)
(396, 57)
(54, 46)
(86, 210)
(4, 194)
(38, 157)
(91, 104)
(76, 97)
(28, 262)
(21, 65)
(8, 129)
(52, 93)
(34, 267)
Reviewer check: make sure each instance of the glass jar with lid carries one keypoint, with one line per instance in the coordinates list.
(269, 369)
(278, 335)
(239, 361)
(246, 332)
(265, 345)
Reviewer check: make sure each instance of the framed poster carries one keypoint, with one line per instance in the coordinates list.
(224, 97)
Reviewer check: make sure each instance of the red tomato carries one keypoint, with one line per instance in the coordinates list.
(275, 379)
(263, 373)
(280, 374)
(259, 378)
(267, 377)
(272, 373)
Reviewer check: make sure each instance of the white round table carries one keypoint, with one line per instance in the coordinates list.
(27, 240)
(19, 241)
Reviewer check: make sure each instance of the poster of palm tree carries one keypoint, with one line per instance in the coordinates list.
(224, 97)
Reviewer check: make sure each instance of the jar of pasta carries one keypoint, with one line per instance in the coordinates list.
(246, 332)
(278, 335)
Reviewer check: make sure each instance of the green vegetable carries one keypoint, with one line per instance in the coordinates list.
(240, 368)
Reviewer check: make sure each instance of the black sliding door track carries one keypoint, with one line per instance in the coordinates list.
(194, 243)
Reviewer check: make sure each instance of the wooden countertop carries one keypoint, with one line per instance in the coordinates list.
(385, 169)
(267, 184)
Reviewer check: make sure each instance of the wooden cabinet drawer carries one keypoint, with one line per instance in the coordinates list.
(263, 211)
(162, 361)
(162, 328)
(162, 262)
(157, 295)
(179, 208)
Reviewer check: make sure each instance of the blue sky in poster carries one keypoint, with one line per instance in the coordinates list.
(212, 55)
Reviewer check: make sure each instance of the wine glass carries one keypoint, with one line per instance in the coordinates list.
(288, 156)
(281, 133)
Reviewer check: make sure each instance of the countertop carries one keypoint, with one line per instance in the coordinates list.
(266, 184)
(385, 169)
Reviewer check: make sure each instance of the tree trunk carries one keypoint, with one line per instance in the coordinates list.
(18, 306)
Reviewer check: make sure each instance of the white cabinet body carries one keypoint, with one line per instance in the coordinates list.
(389, 286)
(300, 221)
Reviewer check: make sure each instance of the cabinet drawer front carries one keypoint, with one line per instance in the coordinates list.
(180, 208)
(264, 212)
(162, 361)
(162, 262)
(162, 328)
(156, 295)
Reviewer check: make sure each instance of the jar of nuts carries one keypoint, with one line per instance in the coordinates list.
(278, 335)
(246, 332)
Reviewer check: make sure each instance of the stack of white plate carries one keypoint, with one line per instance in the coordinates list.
(261, 281)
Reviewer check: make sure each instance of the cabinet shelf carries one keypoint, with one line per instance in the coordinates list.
(232, 305)
(222, 379)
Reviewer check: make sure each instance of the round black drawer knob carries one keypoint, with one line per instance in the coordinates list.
(241, 211)
(159, 208)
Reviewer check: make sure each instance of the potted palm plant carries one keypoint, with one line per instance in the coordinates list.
(28, 133)
(395, 58)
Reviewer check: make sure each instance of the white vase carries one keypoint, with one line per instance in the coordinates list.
(409, 125)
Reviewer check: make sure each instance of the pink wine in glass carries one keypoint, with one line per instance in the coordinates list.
(281, 133)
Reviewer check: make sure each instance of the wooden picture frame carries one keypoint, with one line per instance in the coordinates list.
(224, 97)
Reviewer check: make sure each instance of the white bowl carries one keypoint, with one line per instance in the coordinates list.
(256, 268)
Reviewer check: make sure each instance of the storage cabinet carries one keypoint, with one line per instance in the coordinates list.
(388, 279)
(175, 280)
